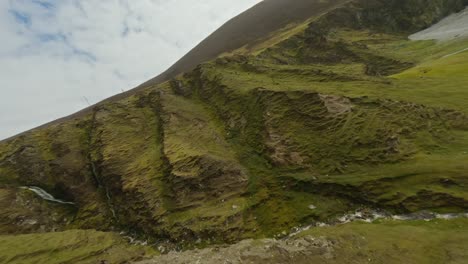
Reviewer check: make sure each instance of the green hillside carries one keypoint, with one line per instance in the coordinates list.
(323, 117)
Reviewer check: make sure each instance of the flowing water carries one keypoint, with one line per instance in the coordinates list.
(370, 216)
(44, 195)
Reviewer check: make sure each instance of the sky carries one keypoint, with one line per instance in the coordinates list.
(59, 56)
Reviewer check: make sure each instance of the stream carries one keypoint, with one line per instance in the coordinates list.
(364, 215)
(369, 216)
(44, 195)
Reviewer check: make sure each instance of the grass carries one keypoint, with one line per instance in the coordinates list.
(285, 209)
(441, 82)
(187, 119)
(433, 153)
(436, 81)
(437, 241)
(73, 246)
(250, 141)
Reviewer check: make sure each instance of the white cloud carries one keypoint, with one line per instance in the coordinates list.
(54, 53)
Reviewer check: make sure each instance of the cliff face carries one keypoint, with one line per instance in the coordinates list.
(316, 119)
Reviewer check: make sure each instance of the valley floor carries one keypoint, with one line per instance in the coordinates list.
(382, 241)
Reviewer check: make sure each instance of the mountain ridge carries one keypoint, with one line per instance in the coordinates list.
(300, 10)
(203, 51)
(339, 114)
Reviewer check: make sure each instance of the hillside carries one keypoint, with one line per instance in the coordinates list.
(326, 114)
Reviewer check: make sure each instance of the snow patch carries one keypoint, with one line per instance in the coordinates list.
(452, 27)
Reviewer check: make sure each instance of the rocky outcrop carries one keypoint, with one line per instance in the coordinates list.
(303, 250)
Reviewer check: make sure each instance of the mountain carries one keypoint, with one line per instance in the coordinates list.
(261, 21)
(294, 114)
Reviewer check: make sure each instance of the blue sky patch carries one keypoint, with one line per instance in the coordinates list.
(21, 17)
(89, 57)
(51, 37)
(44, 4)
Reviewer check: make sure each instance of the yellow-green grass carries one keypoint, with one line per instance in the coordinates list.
(73, 246)
(436, 80)
(412, 242)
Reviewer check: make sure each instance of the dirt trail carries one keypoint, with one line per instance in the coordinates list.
(455, 53)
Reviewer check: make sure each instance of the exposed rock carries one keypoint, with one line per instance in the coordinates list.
(303, 250)
(336, 104)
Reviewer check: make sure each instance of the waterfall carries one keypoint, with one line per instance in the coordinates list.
(44, 195)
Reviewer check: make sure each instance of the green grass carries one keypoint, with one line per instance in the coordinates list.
(418, 242)
(73, 246)
(187, 119)
(252, 140)
(432, 152)
(441, 82)
(286, 209)
(436, 81)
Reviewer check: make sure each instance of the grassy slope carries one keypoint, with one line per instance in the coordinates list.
(431, 83)
(243, 145)
(436, 82)
(73, 246)
(438, 241)
(413, 242)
